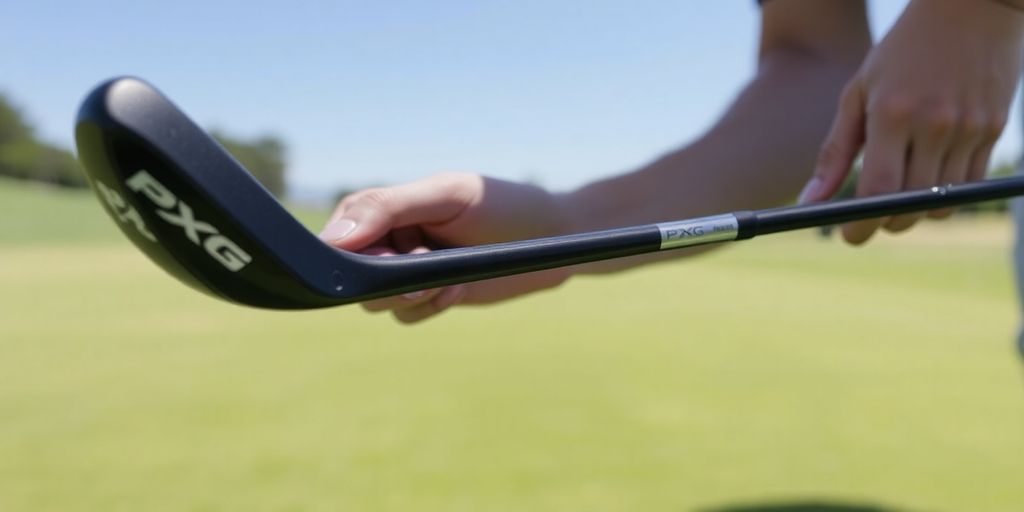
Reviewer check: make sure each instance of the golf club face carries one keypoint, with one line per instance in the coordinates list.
(193, 210)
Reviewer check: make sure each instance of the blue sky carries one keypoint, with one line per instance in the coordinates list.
(380, 92)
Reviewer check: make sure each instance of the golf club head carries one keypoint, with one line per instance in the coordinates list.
(196, 212)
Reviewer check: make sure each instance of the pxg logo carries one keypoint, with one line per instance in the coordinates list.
(684, 232)
(176, 213)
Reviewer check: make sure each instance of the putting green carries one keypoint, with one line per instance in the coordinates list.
(786, 369)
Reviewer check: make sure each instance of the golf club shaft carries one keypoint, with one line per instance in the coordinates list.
(748, 224)
(450, 266)
(837, 212)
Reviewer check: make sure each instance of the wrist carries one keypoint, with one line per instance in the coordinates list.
(603, 204)
(830, 31)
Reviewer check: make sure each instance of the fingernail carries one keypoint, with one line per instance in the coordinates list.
(414, 295)
(810, 190)
(337, 230)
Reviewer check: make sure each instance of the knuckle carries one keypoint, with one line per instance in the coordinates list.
(356, 197)
(374, 202)
(973, 124)
(941, 120)
(347, 201)
(377, 197)
(874, 188)
(893, 109)
(879, 183)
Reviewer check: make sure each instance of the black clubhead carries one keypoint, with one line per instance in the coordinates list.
(196, 212)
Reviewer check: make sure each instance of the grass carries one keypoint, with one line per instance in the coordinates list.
(782, 371)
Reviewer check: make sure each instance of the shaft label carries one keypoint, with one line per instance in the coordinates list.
(684, 233)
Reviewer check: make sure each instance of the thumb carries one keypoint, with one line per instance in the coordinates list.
(840, 148)
(367, 216)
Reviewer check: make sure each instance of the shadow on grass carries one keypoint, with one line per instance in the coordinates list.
(807, 506)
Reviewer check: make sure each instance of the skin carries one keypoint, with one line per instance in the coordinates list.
(808, 52)
(926, 107)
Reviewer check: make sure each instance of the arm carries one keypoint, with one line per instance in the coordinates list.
(756, 155)
(762, 149)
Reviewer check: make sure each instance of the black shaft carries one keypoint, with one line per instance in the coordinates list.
(451, 266)
(763, 222)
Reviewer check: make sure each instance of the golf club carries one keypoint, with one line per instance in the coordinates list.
(196, 212)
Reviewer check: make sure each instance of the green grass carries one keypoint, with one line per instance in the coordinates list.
(783, 370)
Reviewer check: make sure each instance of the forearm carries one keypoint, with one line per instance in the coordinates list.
(757, 155)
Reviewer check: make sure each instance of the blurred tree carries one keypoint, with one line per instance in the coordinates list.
(24, 157)
(12, 126)
(263, 156)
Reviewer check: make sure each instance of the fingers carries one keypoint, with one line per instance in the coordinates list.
(407, 300)
(417, 306)
(389, 221)
(411, 300)
(445, 299)
(385, 222)
(979, 162)
(907, 150)
(970, 161)
(840, 148)
(924, 163)
(367, 216)
(955, 170)
(408, 239)
(885, 156)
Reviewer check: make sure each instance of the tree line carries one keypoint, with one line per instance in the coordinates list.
(24, 156)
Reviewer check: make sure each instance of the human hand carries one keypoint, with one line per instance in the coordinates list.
(926, 106)
(447, 210)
